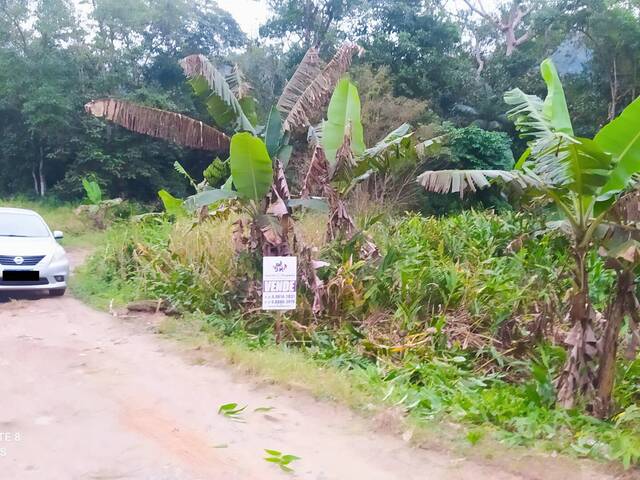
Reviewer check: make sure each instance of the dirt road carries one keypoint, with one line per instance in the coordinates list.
(86, 396)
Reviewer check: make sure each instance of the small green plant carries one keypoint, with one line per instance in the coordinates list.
(231, 410)
(172, 205)
(92, 190)
(280, 459)
(474, 436)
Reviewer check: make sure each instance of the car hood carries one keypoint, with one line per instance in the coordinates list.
(27, 246)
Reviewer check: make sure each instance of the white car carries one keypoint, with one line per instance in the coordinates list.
(30, 257)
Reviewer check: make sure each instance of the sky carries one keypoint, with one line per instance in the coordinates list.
(249, 14)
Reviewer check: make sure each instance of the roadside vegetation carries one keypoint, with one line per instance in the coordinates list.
(451, 324)
(483, 318)
(468, 251)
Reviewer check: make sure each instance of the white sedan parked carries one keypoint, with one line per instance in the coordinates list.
(30, 256)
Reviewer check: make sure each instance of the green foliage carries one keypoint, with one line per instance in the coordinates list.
(433, 263)
(621, 137)
(92, 190)
(474, 436)
(273, 132)
(221, 103)
(343, 120)
(172, 205)
(475, 148)
(458, 283)
(181, 170)
(281, 459)
(422, 49)
(232, 411)
(251, 166)
(312, 25)
(555, 104)
(51, 66)
(465, 148)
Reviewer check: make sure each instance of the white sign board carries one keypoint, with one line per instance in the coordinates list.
(279, 283)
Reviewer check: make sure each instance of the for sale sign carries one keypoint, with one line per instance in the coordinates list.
(279, 283)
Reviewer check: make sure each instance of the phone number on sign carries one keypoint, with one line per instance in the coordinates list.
(8, 437)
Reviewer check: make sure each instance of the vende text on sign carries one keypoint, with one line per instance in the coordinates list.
(279, 283)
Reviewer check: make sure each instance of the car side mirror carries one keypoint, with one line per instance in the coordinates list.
(57, 234)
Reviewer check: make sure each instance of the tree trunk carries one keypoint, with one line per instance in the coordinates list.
(510, 38)
(269, 237)
(613, 87)
(634, 341)
(43, 182)
(36, 184)
(340, 224)
(578, 375)
(609, 348)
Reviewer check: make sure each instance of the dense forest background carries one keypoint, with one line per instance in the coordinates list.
(425, 62)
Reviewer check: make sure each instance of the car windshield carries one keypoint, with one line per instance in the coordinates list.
(19, 225)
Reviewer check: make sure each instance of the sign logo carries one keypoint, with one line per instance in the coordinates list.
(18, 260)
(279, 267)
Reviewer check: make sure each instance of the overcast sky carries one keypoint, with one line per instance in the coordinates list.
(249, 14)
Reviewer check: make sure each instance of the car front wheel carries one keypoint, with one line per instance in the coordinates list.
(58, 292)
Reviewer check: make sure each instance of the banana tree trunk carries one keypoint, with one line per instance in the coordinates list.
(340, 224)
(578, 375)
(623, 302)
(634, 341)
(270, 237)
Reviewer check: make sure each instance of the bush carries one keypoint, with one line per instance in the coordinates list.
(468, 148)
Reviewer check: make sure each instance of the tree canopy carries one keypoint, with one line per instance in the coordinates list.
(424, 62)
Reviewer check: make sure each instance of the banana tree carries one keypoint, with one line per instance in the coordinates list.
(620, 247)
(228, 101)
(252, 176)
(584, 178)
(340, 159)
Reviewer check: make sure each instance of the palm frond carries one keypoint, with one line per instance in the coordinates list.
(238, 83)
(297, 106)
(182, 171)
(461, 181)
(174, 127)
(528, 116)
(391, 140)
(577, 163)
(195, 66)
(552, 154)
(431, 147)
(308, 69)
